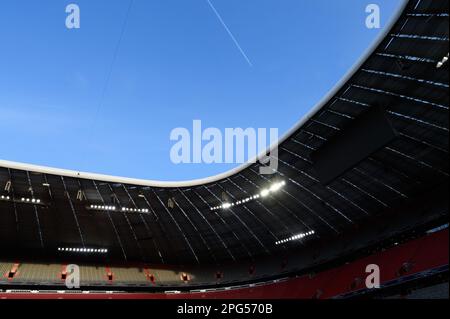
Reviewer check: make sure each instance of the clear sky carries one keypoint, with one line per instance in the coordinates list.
(104, 98)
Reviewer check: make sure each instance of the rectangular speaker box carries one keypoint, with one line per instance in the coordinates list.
(362, 137)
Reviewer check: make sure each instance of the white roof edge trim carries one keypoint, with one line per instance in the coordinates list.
(215, 178)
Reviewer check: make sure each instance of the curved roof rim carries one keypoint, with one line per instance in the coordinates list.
(215, 178)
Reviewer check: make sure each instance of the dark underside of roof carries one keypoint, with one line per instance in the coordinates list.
(400, 78)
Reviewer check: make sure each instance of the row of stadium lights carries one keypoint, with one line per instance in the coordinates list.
(296, 237)
(123, 209)
(31, 200)
(23, 199)
(264, 193)
(84, 250)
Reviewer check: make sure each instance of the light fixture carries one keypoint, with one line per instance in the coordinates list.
(226, 205)
(103, 207)
(114, 208)
(441, 63)
(84, 250)
(8, 186)
(81, 195)
(295, 237)
(135, 210)
(30, 200)
(264, 193)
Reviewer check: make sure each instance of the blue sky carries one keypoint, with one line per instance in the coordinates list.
(68, 101)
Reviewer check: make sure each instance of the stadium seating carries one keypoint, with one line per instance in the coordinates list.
(422, 255)
(5, 267)
(93, 274)
(30, 272)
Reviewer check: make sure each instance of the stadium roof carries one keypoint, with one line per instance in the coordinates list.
(376, 141)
